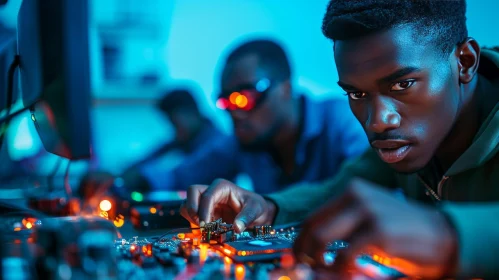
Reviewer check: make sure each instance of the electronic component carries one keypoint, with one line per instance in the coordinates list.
(78, 248)
(216, 231)
(158, 216)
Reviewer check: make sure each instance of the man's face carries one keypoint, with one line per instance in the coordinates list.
(255, 128)
(403, 91)
(185, 123)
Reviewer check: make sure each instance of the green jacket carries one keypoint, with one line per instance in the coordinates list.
(469, 191)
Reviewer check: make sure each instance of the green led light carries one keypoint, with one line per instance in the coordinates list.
(137, 196)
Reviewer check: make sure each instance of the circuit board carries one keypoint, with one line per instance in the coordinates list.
(218, 252)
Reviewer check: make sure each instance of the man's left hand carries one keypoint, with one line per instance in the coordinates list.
(417, 240)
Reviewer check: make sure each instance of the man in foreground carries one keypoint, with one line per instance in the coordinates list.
(426, 95)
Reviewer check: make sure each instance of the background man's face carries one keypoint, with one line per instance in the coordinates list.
(254, 129)
(400, 88)
(185, 122)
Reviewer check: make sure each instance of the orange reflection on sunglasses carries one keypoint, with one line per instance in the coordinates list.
(241, 101)
(233, 97)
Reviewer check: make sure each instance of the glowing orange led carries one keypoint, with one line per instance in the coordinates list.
(284, 278)
(153, 210)
(376, 257)
(240, 271)
(17, 229)
(104, 214)
(227, 251)
(119, 222)
(241, 101)
(227, 266)
(203, 252)
(105, 205)
(181, 235)
(243, 253)
(233, 96)
(29, 225)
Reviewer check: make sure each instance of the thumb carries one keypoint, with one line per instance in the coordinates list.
(249, 213)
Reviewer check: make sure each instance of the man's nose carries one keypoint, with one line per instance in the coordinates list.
(383, 115)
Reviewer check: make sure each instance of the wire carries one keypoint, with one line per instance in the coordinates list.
(10, 96)
(297, 224)
(67, 186)
(290, 225)
(16, 113)
(170, 231)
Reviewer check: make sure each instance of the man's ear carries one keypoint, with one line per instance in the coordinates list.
(468, 58)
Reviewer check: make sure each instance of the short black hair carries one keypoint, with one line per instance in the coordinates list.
(178, 99)
(443, 19)
(272, 56)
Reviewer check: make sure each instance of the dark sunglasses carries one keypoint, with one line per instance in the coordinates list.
(245, 97)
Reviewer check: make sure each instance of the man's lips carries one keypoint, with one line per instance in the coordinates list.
(392, 151)
(389, 144)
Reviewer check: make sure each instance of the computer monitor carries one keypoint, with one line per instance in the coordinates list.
(7, 55)
(52, 42)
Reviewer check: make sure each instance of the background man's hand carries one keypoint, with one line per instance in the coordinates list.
(417, 239)
(225, 200)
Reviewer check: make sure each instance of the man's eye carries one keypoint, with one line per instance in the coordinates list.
(357, 95)
(402, 85)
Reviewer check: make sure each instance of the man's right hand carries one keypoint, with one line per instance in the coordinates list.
(225, 200)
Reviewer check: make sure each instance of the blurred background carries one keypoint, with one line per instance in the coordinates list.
(139, 49)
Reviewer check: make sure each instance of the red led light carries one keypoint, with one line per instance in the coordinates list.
(222, 103)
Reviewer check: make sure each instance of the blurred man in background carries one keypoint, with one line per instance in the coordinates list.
(192, 133)
(192, 129)
(281, 137)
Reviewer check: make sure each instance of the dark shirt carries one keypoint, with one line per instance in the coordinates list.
(330, 135)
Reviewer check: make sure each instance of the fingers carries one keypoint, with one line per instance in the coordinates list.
(217, 194)
(190, 208)
(185, 213)
(313, 225)
(359, 243)
(312, 243)
(224, 200)
(249, 213)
